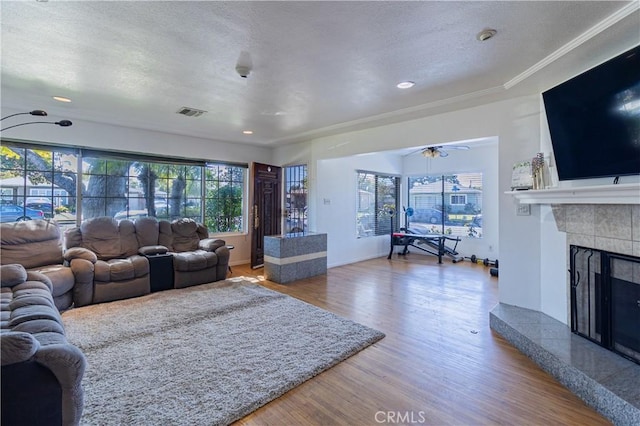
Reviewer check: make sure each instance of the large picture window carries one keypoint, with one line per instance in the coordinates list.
(378, 198)
(119, 185)
(450, 204)
(38, 182)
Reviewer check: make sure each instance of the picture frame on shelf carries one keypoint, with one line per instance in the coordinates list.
(521, 177)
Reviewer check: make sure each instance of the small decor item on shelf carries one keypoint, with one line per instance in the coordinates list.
(537, 171)
(521, 177)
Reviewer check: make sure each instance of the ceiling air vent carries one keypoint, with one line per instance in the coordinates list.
(190, 112)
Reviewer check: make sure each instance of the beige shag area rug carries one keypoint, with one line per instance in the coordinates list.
(204, 355)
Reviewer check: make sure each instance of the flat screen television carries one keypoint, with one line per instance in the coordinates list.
(594, 120)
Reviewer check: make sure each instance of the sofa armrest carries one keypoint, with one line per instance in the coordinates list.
(80, 253)
(83, 274)
(151, 250)
(211, 244)
(12, 274)
(68, 364)
(17, 346)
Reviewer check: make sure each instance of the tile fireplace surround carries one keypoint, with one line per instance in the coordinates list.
(604, 380)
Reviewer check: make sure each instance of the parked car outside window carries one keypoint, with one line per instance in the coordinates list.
(432, 216)
(13, 213)
(43, 204)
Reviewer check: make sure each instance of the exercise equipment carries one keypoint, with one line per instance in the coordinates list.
(486, 261)
(435, 244)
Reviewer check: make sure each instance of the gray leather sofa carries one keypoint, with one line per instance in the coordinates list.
(41, 371)
(119, 271)
(37, 245)
(121, 248)
(197, 259)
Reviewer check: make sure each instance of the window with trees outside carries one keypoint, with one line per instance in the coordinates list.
(69, 185)
(378, 198)
(446, 204)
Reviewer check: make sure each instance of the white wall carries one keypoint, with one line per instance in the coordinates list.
(336, 195)
(554, 288)
(519, 236)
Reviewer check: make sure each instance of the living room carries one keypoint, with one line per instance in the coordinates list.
(532, 251)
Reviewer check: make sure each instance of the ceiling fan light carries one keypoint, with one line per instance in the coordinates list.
(431, 152)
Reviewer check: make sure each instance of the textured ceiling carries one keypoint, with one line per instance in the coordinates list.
(317, 67)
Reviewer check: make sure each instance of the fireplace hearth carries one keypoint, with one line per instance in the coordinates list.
(605, 299)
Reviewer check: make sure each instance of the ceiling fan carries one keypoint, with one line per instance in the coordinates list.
(441, 150)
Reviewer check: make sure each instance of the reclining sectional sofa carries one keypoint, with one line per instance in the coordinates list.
(104, 260)
(37, 245)
(41, 371)
(122, 249)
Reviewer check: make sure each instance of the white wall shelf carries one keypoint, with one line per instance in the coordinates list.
(626, 193)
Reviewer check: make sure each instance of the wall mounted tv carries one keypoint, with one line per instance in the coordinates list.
(594, 120)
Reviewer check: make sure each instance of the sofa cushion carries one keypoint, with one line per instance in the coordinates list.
(194, 261)
(101, 236)
(31, 243)
(165, 238)
(128, 239)
(121, 269)
(40, 326)
(185, 235)
(59, 274)
(33, 312)
(147, 231)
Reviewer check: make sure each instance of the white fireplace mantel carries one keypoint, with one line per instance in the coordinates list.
(624, 193)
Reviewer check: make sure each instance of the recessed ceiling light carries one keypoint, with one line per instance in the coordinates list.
(486, 34)
(405, 85)
(247, 132)
(61, 99)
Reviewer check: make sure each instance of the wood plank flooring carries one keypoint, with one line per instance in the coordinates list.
(439, 364)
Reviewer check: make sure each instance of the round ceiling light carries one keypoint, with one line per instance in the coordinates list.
(486, 34)
(405, 85)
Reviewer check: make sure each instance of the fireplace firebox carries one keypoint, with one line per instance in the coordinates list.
(605, 299)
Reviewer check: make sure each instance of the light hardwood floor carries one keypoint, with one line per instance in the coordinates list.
(439, 364)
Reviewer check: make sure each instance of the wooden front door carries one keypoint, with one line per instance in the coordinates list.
(265, 212)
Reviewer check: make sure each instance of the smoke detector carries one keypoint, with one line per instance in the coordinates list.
(190, 112)
(244, 64)
(243, 71)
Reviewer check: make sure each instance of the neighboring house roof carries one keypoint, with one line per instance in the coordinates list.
(436, 188)
(19, 181)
